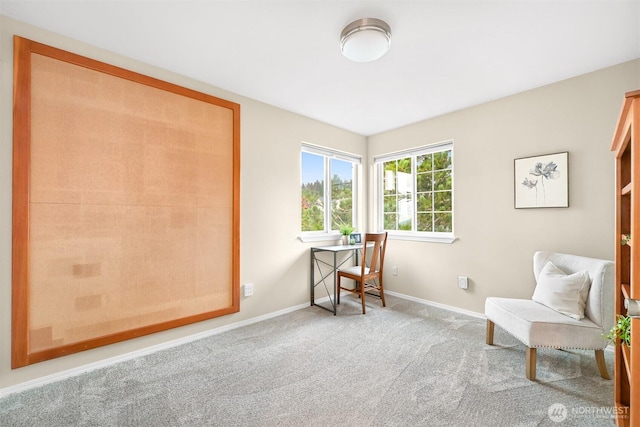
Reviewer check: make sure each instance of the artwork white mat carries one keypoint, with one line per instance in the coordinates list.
(542, 181)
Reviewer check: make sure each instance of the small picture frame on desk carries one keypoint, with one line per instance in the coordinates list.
(355, 238)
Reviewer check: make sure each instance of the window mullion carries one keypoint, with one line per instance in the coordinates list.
(380, 183)
(328, 207)
(354, 196)
(414, 172)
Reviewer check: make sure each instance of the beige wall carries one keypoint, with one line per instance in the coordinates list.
(271, 255)
(496, 241)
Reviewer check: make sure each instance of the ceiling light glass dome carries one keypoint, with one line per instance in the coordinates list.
(365, 40)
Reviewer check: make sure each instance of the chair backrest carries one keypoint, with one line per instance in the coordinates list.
(377, 250)
(599, 308)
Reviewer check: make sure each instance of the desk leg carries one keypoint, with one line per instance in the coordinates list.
(335, 284)
(313, 277)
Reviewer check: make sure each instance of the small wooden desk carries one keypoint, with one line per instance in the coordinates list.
(333, 270)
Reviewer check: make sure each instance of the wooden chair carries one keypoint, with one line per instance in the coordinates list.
(367, 277)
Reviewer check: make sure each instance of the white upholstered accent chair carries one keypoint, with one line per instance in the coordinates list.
(537, 325)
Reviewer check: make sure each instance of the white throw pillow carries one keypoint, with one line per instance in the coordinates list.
(565, 293)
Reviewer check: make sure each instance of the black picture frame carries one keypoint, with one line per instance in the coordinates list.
(356, 238)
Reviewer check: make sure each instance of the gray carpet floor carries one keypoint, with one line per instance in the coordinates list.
(408, 364)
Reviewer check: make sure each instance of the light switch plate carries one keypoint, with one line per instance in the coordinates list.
(248, 289)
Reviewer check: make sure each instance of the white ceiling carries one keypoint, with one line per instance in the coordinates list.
(444, 56)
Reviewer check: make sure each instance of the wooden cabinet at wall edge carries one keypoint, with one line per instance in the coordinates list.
(627, 281)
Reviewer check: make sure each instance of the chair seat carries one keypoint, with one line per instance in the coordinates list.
(537, 325)
(354, 270)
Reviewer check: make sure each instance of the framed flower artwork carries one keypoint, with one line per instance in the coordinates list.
(542, 181)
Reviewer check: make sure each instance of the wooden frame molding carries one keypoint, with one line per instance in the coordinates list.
(126, 204)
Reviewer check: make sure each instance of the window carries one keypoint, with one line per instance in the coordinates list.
(416, 192)
(318, 167)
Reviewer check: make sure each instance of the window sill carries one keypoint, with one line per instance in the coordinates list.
(417, 238)
(325, 237)
(410, 237)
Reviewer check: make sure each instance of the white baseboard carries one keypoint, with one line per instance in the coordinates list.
(58, 376)
(437, 304)
(169, 344)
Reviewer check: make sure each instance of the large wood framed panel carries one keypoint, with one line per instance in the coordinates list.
(125, 204)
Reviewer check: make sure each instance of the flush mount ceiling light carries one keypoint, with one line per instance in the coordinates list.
(365, 40)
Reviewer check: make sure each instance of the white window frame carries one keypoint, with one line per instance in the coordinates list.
(328, 154)
(434, 236)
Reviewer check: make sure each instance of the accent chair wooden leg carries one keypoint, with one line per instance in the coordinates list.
(490, 326)
(602, 365)
(364, 310)
(384, 304)
(337, 297)
(531, 363)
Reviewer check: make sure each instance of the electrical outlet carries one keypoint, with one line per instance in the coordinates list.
(463, 282)
(394, 270)
(248, 289)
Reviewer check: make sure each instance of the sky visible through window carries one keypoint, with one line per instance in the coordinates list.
(313, 168)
